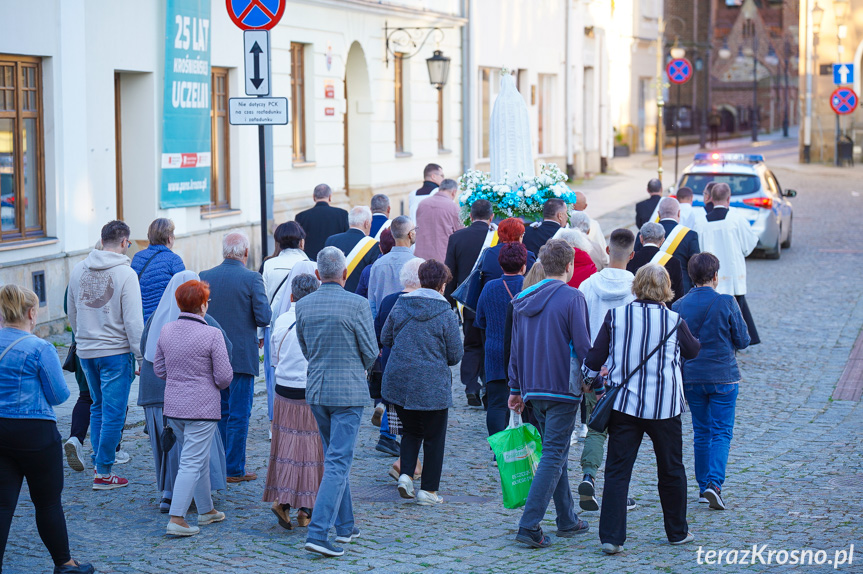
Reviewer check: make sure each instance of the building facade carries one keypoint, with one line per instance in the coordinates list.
(83, 100)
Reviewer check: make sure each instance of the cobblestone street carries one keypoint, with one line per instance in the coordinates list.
(795, 470)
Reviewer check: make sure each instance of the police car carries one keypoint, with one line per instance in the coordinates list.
(755, 194)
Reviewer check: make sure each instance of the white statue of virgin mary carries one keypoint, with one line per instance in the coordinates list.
(509, 134)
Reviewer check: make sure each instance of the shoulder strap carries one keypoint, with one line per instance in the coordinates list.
(276, 292)
(12, 344)
(661, 258)
(511, 296)
(653, 352)
(359, 251)
(147, 264)
(672, 242)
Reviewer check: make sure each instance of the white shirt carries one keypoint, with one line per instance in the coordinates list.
(686, 214)
(276, 270)
(731, 240)
(414, 201)
(287, 356)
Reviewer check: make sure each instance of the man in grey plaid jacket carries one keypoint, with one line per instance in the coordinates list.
(337, 336)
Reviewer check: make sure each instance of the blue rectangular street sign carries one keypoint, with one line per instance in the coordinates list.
(843, 74)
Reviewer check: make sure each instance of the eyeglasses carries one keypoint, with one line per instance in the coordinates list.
(415, 228)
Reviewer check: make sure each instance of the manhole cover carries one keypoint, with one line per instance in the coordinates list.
(847, 481)
(389, 493)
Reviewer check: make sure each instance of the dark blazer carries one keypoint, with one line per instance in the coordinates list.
(685, 250)
(536, 237)
(238, 301)
(643, 210)
(347, 241)
(462, 251)
(378, 220)
(491, 268)
(643, 257)
(319, 223)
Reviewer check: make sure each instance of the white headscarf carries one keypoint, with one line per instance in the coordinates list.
(167, 311)
(299, 268)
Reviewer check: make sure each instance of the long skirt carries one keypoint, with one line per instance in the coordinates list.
(296, 455)
(167, 464)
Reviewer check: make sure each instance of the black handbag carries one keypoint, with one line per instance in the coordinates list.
(70, 363)
(167, 438)
(469, 291)
(602, 409)
(375, 379)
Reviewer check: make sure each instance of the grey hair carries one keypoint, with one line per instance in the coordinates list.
(359, 215)
(579, 220)
(448, 184)
(322, 191)
(668, 207)
(409, 274)
(304, 284)
(652, 233)
(401, 227)
(331, 263)
(235, 245)
(380, 203)
(576, 239)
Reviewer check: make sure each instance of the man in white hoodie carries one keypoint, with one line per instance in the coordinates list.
(107, 319)
(608, 289)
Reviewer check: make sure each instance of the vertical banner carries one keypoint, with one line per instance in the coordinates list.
(186, 112)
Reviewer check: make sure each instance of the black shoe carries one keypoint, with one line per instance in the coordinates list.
(580, 528)
(587, 494)
(473, 400)
(323, 547)
(630, 504)
(165, 505)
(714, 497)
(389, 446)
(533, 538)
(77, 568)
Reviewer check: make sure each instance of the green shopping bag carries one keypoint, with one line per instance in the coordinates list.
(517, 450)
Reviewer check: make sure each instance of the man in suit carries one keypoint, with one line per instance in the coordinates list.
(238, 301)
(360, 249)
(644, 209)
(680, 241)
(462, 252)
(380, 206)
(322, 221)
(337, 337)
(432, 176)
(554, 218)
(652, 236)
(438, 217)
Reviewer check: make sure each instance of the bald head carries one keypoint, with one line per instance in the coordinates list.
(669, 208)
(581, 201)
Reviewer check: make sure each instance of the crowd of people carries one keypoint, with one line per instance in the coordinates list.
(356, 306)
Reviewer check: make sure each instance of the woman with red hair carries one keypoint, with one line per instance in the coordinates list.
(509, 230)
(192, 358)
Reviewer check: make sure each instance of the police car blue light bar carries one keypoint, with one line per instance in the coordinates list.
(730, 157)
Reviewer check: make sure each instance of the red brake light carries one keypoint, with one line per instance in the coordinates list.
(715, 156)
(763, 202)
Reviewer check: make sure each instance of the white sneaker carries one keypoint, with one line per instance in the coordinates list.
(406, 486)
(122, 457)
(573, 440)
(426, 498)
(204, 519)
(177, 530)
(74, 457)
(271, 434)
(583, 432)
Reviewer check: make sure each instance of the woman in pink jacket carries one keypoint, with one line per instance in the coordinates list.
(192, 358)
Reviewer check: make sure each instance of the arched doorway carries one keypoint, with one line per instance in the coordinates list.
(357, 137)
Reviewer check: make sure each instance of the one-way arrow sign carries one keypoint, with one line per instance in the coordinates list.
(257, 54)
(843, 74)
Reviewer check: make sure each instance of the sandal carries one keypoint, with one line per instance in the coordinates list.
(304, 517)
(283, 514)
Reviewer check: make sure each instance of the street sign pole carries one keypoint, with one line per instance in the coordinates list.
(262, 166)
(676, 136)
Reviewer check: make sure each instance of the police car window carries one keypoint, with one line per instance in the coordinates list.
(740, 184)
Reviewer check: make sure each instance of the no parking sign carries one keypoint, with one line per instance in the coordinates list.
(843, 101)
(256, 14)
(679, 71)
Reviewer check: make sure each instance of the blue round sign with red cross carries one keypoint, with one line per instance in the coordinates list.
(679, 70)
(843, 101)
(256, 14)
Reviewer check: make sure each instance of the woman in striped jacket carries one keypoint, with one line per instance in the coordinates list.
(641, 345)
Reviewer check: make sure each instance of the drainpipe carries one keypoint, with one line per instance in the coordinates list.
(569, 92)
(466, 71)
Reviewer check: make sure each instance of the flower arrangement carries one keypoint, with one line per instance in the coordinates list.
(517, 196)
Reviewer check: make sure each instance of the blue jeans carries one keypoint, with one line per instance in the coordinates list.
(338, 427)
(109, 379)
(234, 426)
(712, 407)
(556, 423)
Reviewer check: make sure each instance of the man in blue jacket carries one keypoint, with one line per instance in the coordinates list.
(549, 324)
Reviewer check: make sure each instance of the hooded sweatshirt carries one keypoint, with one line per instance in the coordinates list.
(549, 323)
(104, 304)
(423, 332)
(604, 291)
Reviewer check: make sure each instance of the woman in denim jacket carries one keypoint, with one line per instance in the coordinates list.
(711, 379)
(31, 383)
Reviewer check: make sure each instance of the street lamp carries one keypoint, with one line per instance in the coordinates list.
(724, 52)
(438, 66)
(817, 17)
(676, 51)
(748, 12)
